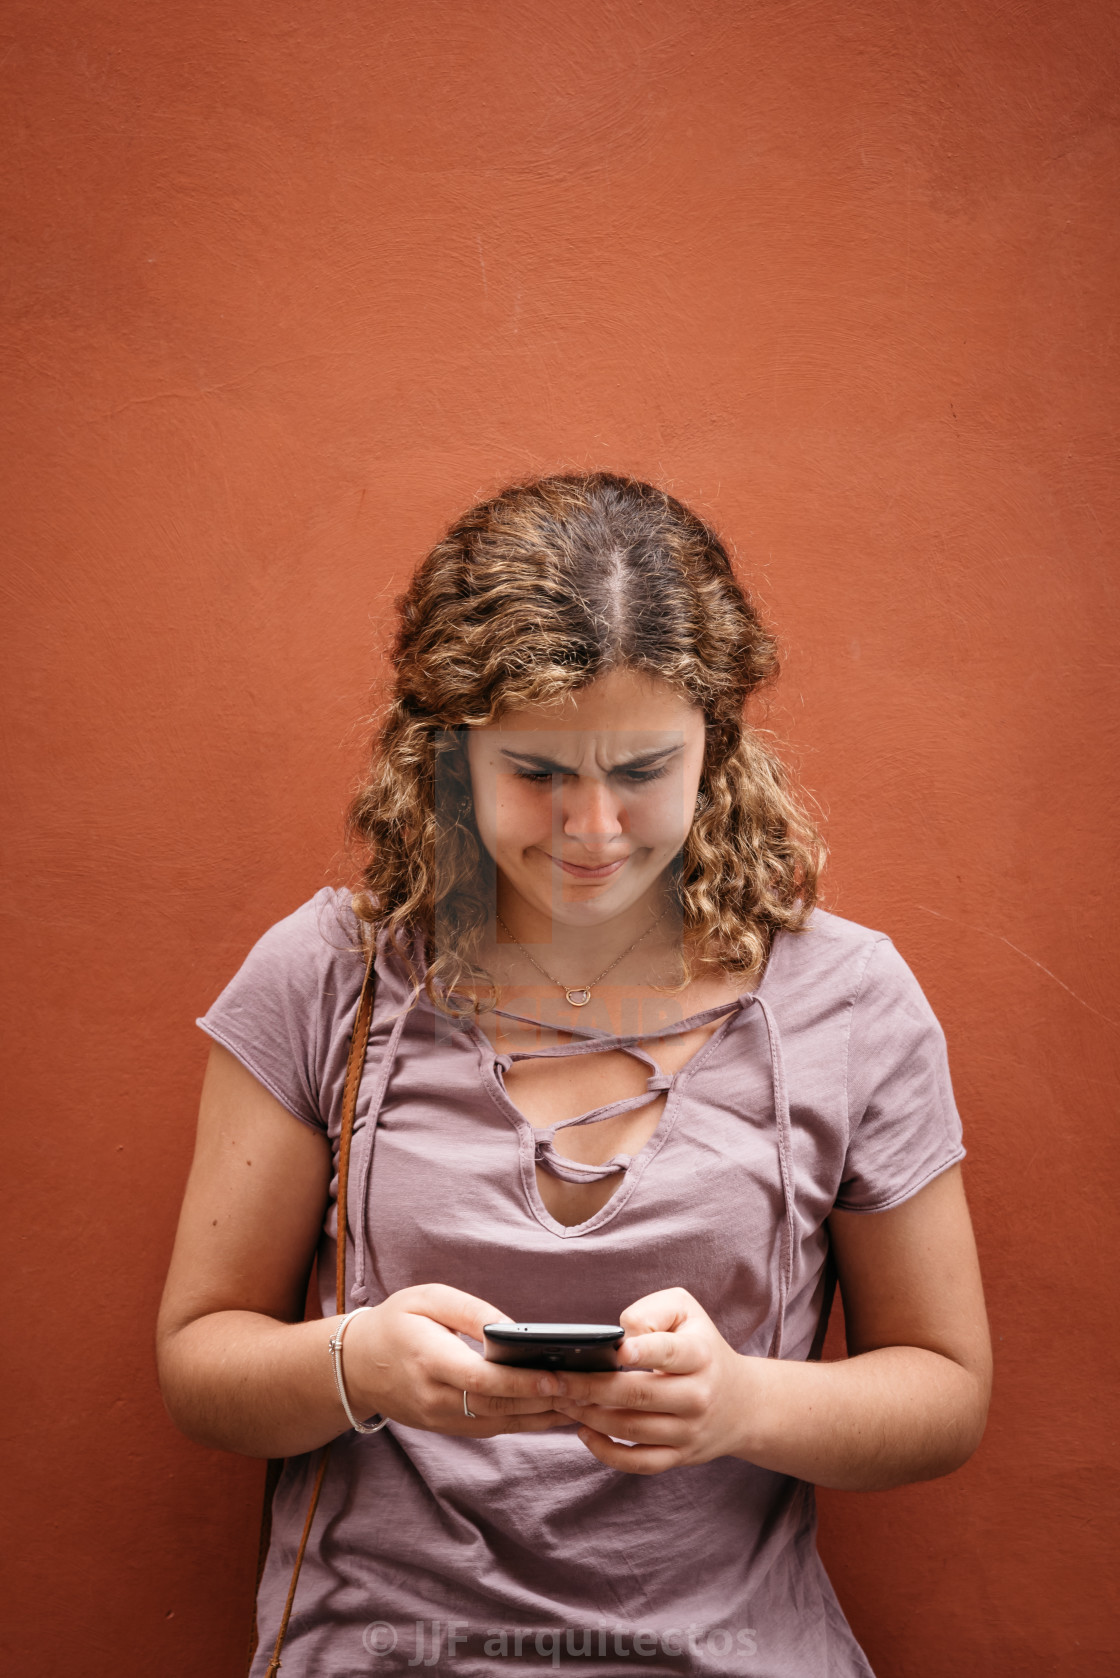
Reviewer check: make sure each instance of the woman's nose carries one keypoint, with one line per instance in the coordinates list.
(591, 812)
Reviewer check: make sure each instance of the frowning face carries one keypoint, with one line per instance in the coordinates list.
(583, 804)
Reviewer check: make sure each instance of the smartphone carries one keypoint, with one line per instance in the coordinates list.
(554, 1345)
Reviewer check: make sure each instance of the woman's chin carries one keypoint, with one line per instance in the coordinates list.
(588, 905)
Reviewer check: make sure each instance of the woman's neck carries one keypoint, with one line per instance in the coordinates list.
(575, 954)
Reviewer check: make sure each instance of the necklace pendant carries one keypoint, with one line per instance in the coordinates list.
(579, 996)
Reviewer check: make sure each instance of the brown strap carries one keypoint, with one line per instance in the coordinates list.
(817, 1347)
(274, 1663)
(358, 1044)
(356, 1060)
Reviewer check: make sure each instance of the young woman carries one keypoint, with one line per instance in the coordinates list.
(621, 1069)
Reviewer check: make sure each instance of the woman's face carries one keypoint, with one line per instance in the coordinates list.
(583, 804)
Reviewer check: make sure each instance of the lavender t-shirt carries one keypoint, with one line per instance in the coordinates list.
(523, 1553)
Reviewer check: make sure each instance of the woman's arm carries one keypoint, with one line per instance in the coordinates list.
(911, 1400)
(239, 1369)
(909, 1403)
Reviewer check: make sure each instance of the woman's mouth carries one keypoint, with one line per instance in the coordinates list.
(580, 871)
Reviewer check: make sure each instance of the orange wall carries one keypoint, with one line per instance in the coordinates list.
(289, 285)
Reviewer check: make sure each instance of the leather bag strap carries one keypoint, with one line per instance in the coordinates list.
(359, 1042)
(817, 1347)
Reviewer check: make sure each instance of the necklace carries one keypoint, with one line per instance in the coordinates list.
(579, 995)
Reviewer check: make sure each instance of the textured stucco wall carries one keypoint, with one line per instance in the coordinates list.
(287, 286)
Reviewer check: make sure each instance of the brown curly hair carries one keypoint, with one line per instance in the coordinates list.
(529, 597)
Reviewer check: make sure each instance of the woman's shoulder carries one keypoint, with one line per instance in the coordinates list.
(317, 947)
(308, 962)
(828, 943)
(311, 962)
(841, 963)
(289, 1004)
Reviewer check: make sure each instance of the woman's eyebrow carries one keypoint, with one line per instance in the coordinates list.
(640, 760)
(536, 762)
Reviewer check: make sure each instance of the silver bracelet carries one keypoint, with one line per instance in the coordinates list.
(376, 1423)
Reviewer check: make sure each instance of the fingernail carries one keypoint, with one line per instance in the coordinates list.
(548, 1385)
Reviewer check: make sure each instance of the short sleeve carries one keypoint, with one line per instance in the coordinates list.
(278, 1012)
(903, 1125)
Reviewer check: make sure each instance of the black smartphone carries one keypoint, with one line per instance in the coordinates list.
(586, 1346)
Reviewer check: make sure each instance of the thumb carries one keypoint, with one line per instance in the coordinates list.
(463, 1312)
(652, 1329)
(665, 1310)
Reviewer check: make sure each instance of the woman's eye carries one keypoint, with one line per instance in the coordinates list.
(635, 777)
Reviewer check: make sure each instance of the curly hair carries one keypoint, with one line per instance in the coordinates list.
(530, 597)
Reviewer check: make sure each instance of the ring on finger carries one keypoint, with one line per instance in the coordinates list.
(467, 1411)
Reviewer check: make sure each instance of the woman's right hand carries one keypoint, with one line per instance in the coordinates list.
(405, 1360)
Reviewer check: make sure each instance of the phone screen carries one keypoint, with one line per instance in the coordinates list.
(588, 1346)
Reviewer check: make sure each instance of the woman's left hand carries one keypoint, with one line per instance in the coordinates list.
(694, 1403)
